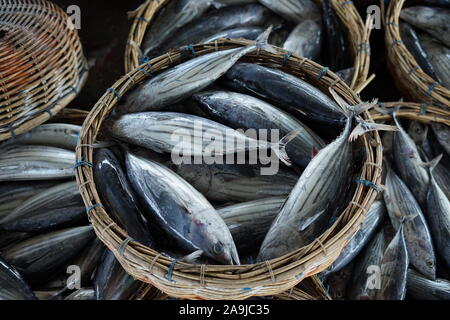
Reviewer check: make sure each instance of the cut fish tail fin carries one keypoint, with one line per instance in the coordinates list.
(280, 147)
(433, 163)
(352, 111)
(364, 127)
(193, 257)
(262, 42)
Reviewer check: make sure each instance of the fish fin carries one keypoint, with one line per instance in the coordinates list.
(351, 111)
(193, 257)
(262, 42)
(280, 149)
(137, 47)
(310, 220)
(217, 5)
(433, 163)
(363, 127)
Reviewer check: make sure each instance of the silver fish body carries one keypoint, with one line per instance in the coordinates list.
(402, 205)
(305, 40)
(82, 294)
(435, 21)
(442, 133)
(308, 206)
(394, 269)
(23, 163)
(421, 288)
(249, 33)
(294, 11)
(240, 111)
(172, 17)
(12, 285)
(439, 57)
(181, 210)
(372, 221)
(250, 221)
(88, 260)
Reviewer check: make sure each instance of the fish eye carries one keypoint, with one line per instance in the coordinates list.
(218, 248)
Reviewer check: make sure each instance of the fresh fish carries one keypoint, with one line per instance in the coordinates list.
(88, 260)
(12, 285)
(112, 282)
(335, 38)
(394, 269)
(117, 196)
(18, 163)
(9, 238)
(295, 11)
(346, 75)
(371, 223)
(49, 294)
(305, 40)
(418, 132)
(181, 210)
(38, 257)
(82, 294)
(180, 82)
(363, 285)
(421, 288)
(439, 57)
(58, 135)
(250, 221)
(402, 205)
(412, 42)
(185, 136)
(241, 111)
(60, 206)
(438, 216)
(437, 3)
(226, 183)
(216, 21)
(442, 133)
(307, 209)
(409, 164)
(249, 33)
(236, 2)
(175, 15)
(13, 194)
(435, 21)
(285, 91)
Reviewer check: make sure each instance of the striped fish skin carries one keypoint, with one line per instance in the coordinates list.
(438, 217)
(112, 282)
(285, 91)
(249, 33)
(82, 294)
(435, 21)
(24, 163)
(240, 111)
(118, 197)
(12, 285)
(47, 210)
(394, 269)
(227, 183)
(214, 22)
(295, 11)
(439, 57)
(401, 204)
(305, 40)
(37, 258)
(408, 163)
(442, 133)
(183, 134)
(180, 82)
(373, 220)
(308, 207)
(413, 44)
(171, 18)
(372, 255)
(58, 135)
(421, 288)
(250, 221)
(183, 212)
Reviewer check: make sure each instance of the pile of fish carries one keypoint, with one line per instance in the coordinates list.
(48, 249)
(424, 31)
(403, 247)
(304, 27)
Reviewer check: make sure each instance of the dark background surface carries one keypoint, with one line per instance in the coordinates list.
(104, 32)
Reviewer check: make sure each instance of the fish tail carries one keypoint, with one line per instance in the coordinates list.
(193, 257)
(433, 163)
(262, 42)
(280, 147)
(352, 111)
(364, 127)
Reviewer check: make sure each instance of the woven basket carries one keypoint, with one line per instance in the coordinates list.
(413, 111)
(42, 65)
(358, 33)
(225, 282)
(413, 82)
